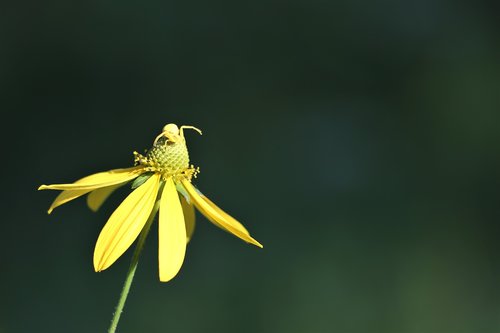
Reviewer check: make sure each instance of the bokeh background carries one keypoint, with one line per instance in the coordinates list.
(357, 140)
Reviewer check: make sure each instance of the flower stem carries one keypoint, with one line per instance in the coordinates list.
(132, 268)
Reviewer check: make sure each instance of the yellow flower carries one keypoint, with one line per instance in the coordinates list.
(162, 176)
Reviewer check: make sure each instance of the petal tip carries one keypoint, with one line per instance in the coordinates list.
(97, 261)
(93, 209)
(51, 208)
(42, 187)
(97, 267)
(259, 245)
(165, 279)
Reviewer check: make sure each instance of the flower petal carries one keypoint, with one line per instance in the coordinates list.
(96, 198)
(125, 224)
(90, 183)
(66, 196)
(189, 217)
(215, 216)
(98, 180)
(236, 224)
(171, 233)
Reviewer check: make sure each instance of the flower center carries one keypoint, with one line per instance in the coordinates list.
(170, 159)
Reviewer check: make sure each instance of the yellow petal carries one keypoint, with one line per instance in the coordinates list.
(66, 196)
(96, 198)
(223, 220)
(189, 217)
(90, 183)
(235, 223)
(125, 224)
(98, 180)
(171, 233)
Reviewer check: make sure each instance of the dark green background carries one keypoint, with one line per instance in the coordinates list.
(357, 140)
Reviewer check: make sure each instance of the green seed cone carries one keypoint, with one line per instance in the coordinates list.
(169, 156)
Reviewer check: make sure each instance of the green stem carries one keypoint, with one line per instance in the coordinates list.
(132, 268)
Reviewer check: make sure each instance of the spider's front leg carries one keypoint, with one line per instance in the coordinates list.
(169, 135)
(188, 127)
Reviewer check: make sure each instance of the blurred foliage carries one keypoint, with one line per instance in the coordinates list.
(357, 140)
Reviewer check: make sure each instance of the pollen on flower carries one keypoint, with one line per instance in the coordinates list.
(170, 159)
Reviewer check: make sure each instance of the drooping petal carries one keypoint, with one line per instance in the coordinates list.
(66, 196)
(222, 220)
(171, 233)
(90, 183)
(189, 217)
(235, 223)
(97, 180)
(125, 224)
(96, 198)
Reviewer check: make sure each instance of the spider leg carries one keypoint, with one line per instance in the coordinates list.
(188, 127)
(170, 136)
